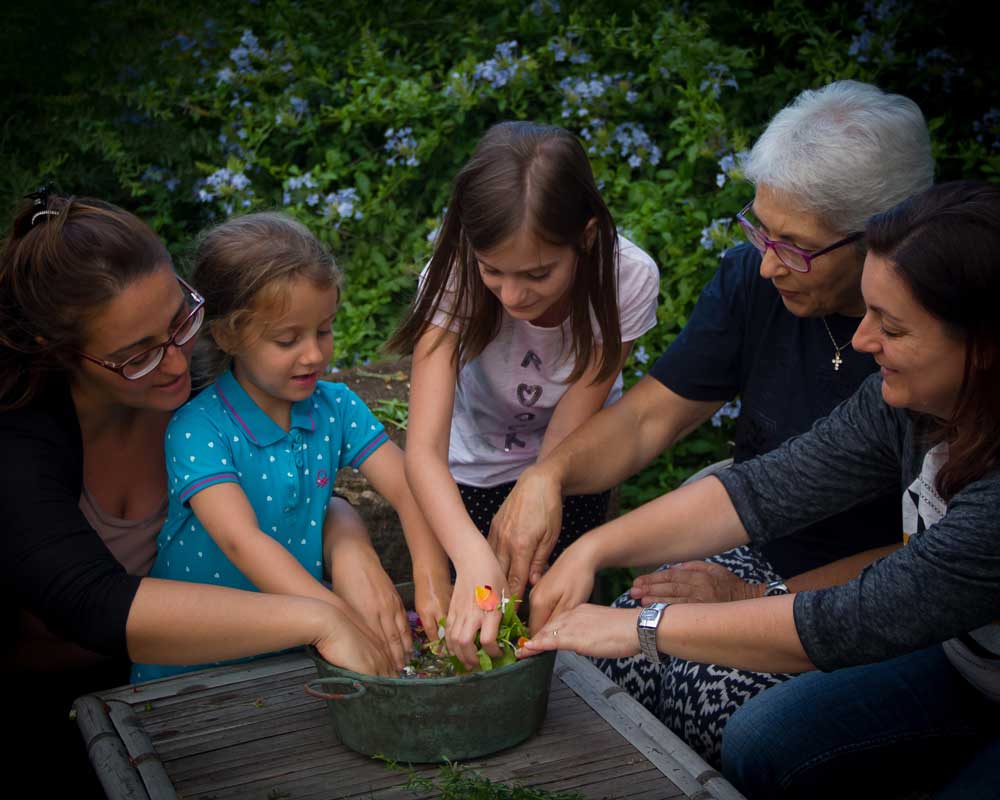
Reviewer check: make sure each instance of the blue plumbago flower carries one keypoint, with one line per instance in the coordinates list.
(557, 50)
(278, 118)
(342, 203)
(719, 75)
(583, 96)
(224, 75)
(882, 10)
(573, 55)
(729, 164)
(433, 235)
(286, 198)
(715, 235)
(641, 355)
(228, 186)
(153, 175)
(631, 97)
(403, 147)
(305, 180)
(988, 127)
(634, 143)
(286, 67)
(539, 7)
(299, 106)
(731, 410)
(501, 69)
(312, 199)
(171, 183)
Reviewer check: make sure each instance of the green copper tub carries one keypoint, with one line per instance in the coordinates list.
(435, 719)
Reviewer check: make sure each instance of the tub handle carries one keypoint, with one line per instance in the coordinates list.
(358, 689)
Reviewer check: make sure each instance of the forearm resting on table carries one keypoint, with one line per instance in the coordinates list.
(757, 634)
(171, 622)
(618, 441)
(692, 522)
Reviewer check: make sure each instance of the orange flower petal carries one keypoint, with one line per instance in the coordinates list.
(522, 641)
(486, 598)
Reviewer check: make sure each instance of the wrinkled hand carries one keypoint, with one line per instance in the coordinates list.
(465, 618)
(524, 531)
(567, 584)
(691, 582)
(431, 597)
(359, 579)
(596, 631)
(347, 644)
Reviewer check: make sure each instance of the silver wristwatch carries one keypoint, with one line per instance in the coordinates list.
(774, 588)
(646, 625)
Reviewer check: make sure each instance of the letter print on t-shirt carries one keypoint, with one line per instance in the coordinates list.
(527, 395)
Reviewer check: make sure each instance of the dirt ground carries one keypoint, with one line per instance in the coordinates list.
(385, 381)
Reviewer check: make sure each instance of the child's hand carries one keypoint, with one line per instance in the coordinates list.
(567, 584)
(432, 595)
(353, 646)
(466, 618)
(359, 579)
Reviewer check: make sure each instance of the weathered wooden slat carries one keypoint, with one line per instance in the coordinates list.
(654, 740)
(141, 752)
(118, 777)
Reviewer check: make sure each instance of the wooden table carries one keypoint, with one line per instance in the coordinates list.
(250, 731)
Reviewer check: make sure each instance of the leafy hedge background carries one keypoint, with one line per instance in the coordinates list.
(354, 117)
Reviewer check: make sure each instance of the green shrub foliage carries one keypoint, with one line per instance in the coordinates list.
(354, 117)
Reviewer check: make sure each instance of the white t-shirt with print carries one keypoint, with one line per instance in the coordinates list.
(505, 397)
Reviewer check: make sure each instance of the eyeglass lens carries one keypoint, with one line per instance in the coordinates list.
(147, 362)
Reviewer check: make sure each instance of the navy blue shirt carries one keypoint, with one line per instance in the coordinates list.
(741, 340)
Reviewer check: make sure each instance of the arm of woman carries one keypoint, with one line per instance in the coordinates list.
(608, 447)
(756, 635)
(705, 582)
(432, 399)
(385, 469)
(580, 402)
(170, 622)
(693, 521)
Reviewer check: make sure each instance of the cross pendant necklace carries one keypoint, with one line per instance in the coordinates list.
(836, 360)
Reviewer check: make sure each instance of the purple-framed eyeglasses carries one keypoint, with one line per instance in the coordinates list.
(788, 254)
(141, 364)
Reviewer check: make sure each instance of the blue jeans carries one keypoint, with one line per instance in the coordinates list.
(912, 720)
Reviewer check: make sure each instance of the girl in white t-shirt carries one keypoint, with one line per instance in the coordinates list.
(524, 318)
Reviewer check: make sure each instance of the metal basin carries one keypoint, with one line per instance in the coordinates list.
(435, 719)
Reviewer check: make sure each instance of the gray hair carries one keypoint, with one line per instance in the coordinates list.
(845, 152)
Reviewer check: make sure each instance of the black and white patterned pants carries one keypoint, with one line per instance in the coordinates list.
(581, 512)
(696, 700)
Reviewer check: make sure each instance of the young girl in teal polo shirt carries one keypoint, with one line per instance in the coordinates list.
(251, 459)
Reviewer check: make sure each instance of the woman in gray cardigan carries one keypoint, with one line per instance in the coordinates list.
(909, 649)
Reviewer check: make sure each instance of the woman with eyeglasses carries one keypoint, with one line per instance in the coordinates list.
(909, 650)
(773, 328)
(96, 333)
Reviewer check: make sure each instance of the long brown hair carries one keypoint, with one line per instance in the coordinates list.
(243, 268)
(57, 269)
(522, 174)
(945, 245)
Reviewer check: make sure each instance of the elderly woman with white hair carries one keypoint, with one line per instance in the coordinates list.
(773, 327)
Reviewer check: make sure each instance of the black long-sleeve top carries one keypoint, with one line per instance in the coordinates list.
(52, 562)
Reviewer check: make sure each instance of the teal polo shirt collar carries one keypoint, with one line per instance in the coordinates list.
(258, 426)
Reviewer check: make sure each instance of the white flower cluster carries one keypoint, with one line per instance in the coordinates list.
(729, 165)
(574, 55)
(731, 410)
(233, 188)
(242, 55)
(629, 140)
(403, 147)
(337, 205)
(501, 69)
(716, 235)
(719, 75)
(160, 175)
